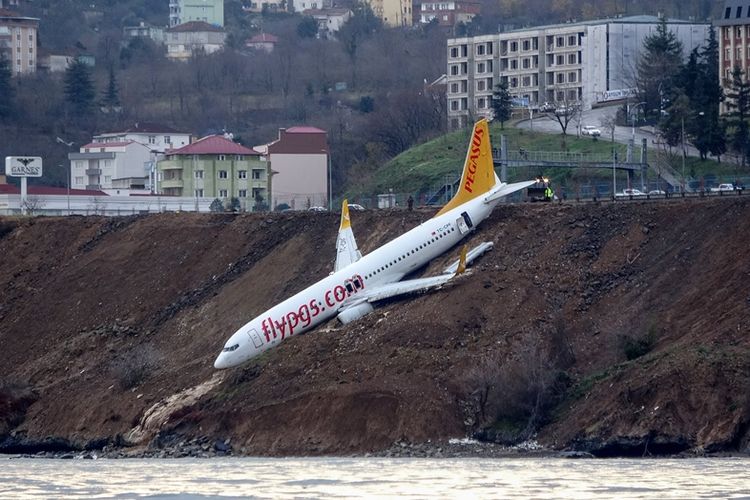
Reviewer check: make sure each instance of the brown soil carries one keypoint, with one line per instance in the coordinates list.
(109, 328)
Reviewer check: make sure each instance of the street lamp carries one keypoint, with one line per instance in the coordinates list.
(68, 188)
(633, 116)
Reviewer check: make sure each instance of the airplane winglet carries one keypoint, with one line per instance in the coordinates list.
(461, 262)
(345, 221)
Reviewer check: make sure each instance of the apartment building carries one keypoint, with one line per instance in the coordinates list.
(300, 164)
(185, 39)
(109, 167)
(448, 13)
(215, 167)
(207, 11)
(393, 13)
(583, 63)
(18, 41)
(734, 41)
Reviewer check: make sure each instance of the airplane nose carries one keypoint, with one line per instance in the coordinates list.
(221, 362)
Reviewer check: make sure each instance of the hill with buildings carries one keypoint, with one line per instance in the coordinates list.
(619, 329)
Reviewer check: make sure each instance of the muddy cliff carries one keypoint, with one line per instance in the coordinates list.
(618, 329)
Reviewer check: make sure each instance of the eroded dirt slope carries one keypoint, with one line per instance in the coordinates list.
(109, 327)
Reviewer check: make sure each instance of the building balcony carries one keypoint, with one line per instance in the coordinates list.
(169, 165)
(172, 183)
(93, 187)
(93, 171)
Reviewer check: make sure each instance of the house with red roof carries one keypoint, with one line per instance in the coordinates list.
(110, 166)
(216, 167)
(185, 39)
(300, 166)
(263, 41)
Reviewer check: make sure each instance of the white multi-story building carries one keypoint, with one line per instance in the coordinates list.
(583, 63)
(208, 11)
(18, 41)
(110, 167)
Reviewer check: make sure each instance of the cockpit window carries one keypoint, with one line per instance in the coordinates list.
(231, 348)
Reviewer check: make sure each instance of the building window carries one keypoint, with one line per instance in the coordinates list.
(560, 78)
(239, 157)
(572, 40)
(199, 193)
(222, 158)
(560, 60)
(481, 85)
(739, 12)
(480, 67)
(526, 81)
(454, 51)
(514, 82)
(526, 63)
(222, 193)
(572, 59)
(257, 174)
(454, 69)
(454, 105)
(107, 179)
(560, 42)
(243, 193)
(167, 139)
(738, 32)
(79, 181)
(526, 44)
(242, 174)
(152, 139)
(481, 103)
(514, 64)
(198, 174)
(480, 49)
(223, 174)
(572, 76)
(454, 88)
(514, 46)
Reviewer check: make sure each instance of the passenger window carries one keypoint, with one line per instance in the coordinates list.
(349, 287)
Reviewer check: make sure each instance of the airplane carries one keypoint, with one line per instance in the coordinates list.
(358, 281)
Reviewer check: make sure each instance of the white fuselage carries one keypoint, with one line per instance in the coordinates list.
(321, 301)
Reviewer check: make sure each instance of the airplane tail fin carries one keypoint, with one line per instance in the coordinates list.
(479, 173)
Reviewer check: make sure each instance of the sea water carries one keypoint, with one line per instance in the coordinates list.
(375, 478)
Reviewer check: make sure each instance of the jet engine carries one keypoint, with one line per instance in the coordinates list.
(355, 312)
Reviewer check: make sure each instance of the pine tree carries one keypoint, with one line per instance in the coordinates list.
(501, 103)
(658, 68)
(6, 89)
(79, 88)
(111, 98)
(738, 102)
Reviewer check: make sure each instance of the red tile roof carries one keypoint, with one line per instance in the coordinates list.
(107, 144)
(49, 190)
(263, 38)
(213, 145)
(193, 26)
(305, 130)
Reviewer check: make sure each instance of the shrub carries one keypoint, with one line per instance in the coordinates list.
(636, 346)
(138, 364)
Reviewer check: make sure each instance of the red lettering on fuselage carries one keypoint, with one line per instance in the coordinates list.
(476, 143)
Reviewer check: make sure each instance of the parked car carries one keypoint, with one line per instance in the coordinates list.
(563, 111)
(656, 192)
(318, 209)
(723, 187)
(547, 107)
(630, 192)
(590, 130)
(356, 207)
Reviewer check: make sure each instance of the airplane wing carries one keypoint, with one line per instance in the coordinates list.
(346, 246)
(401, 287)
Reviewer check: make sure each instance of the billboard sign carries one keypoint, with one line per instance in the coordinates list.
(23, 166)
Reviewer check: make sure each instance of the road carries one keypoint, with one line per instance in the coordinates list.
(549, 125)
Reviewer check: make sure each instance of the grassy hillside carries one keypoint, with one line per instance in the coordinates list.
(429, 164)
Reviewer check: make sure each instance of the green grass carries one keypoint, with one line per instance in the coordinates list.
(428, 165)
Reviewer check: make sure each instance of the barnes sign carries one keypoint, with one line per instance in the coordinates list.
(23, 166)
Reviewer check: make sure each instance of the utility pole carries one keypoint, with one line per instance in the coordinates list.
(683, 153)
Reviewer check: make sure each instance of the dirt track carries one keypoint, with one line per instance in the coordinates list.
(103, 320)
